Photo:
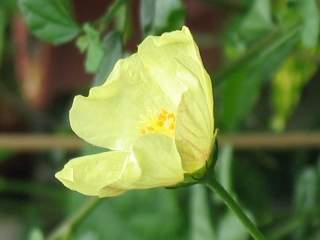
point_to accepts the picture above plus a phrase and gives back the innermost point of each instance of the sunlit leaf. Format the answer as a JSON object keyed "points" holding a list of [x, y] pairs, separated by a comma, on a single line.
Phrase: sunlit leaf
{"points": [[240, 84], [288, 84]]}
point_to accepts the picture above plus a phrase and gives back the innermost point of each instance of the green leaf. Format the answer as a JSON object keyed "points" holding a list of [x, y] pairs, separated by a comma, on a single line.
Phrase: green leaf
{"points": [[311, 27], [253, 186], [8, 6], [307, 193], [112, 44], [147, 13], [231, 228], [157, 16], [5, 153], [241, 82], [306, 202], [248, 28], [257, 21], [82, 43], [288, 84], [201, 226], [7, 9], [100, 55], [50, 20], [3, 23], [286, 228], [123, 21], [35, 234], [94, 49]]}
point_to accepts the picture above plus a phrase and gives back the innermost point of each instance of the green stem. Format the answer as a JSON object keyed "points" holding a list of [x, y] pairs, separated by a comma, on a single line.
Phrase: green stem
{"points": [[105, 20], [215, 186], [66, 228]]}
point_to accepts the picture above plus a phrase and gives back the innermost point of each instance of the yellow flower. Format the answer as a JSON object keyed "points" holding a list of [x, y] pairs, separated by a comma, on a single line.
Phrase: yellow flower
{"points": [[155, 113]]}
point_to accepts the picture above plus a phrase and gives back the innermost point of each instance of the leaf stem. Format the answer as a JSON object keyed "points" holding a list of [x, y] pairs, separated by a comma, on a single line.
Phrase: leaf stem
{"points": [[67, 226], [215, 186]]}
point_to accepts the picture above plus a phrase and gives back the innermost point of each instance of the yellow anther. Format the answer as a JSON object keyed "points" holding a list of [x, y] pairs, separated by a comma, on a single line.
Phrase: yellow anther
{"points": [[163, 112], [162, 123], [150, 128], [161, 117], [142, 131], [171, 116]]}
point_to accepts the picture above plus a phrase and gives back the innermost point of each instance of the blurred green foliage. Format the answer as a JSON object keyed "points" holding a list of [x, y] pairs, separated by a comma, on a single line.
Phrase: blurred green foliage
{"points": [[158, 16], [51, 20], [288, 84], [270, 56], [121, 218]]}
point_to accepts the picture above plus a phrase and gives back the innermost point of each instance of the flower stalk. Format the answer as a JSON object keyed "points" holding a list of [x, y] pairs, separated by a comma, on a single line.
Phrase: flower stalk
{"points": [[216, 187]]}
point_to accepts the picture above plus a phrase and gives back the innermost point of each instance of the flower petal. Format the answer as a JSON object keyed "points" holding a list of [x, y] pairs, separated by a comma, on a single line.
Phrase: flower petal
{"points": [[176, 56], [159, 161], [193, 138], [109, 117], [175, 62], [103, 174]]}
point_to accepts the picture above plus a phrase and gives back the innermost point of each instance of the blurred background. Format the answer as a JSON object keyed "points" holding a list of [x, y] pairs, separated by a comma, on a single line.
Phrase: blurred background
{"points": [[263, 57]]}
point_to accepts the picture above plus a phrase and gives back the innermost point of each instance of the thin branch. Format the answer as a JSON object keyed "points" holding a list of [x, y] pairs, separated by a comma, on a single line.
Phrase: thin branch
{"points": [[104, 21], [234, 206], [258, 140], [66, 228]]}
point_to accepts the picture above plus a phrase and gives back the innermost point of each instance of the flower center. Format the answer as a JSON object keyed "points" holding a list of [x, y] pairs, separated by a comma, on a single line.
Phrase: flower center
{"points": [[164, 123]]}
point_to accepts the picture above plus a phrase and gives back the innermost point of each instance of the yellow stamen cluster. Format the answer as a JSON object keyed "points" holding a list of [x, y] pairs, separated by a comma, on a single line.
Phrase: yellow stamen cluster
{"points": [[164, 123]]}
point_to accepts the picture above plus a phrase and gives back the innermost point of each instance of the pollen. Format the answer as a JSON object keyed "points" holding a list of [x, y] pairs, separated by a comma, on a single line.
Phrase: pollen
{"points": [[162, 122]]}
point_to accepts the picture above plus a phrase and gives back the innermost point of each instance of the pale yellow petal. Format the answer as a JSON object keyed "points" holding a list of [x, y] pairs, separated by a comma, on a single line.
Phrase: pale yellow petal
{"points": [[175, 62], [176, 56], [193, 138], [111, 115], [159, 161], [102, 174]]}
